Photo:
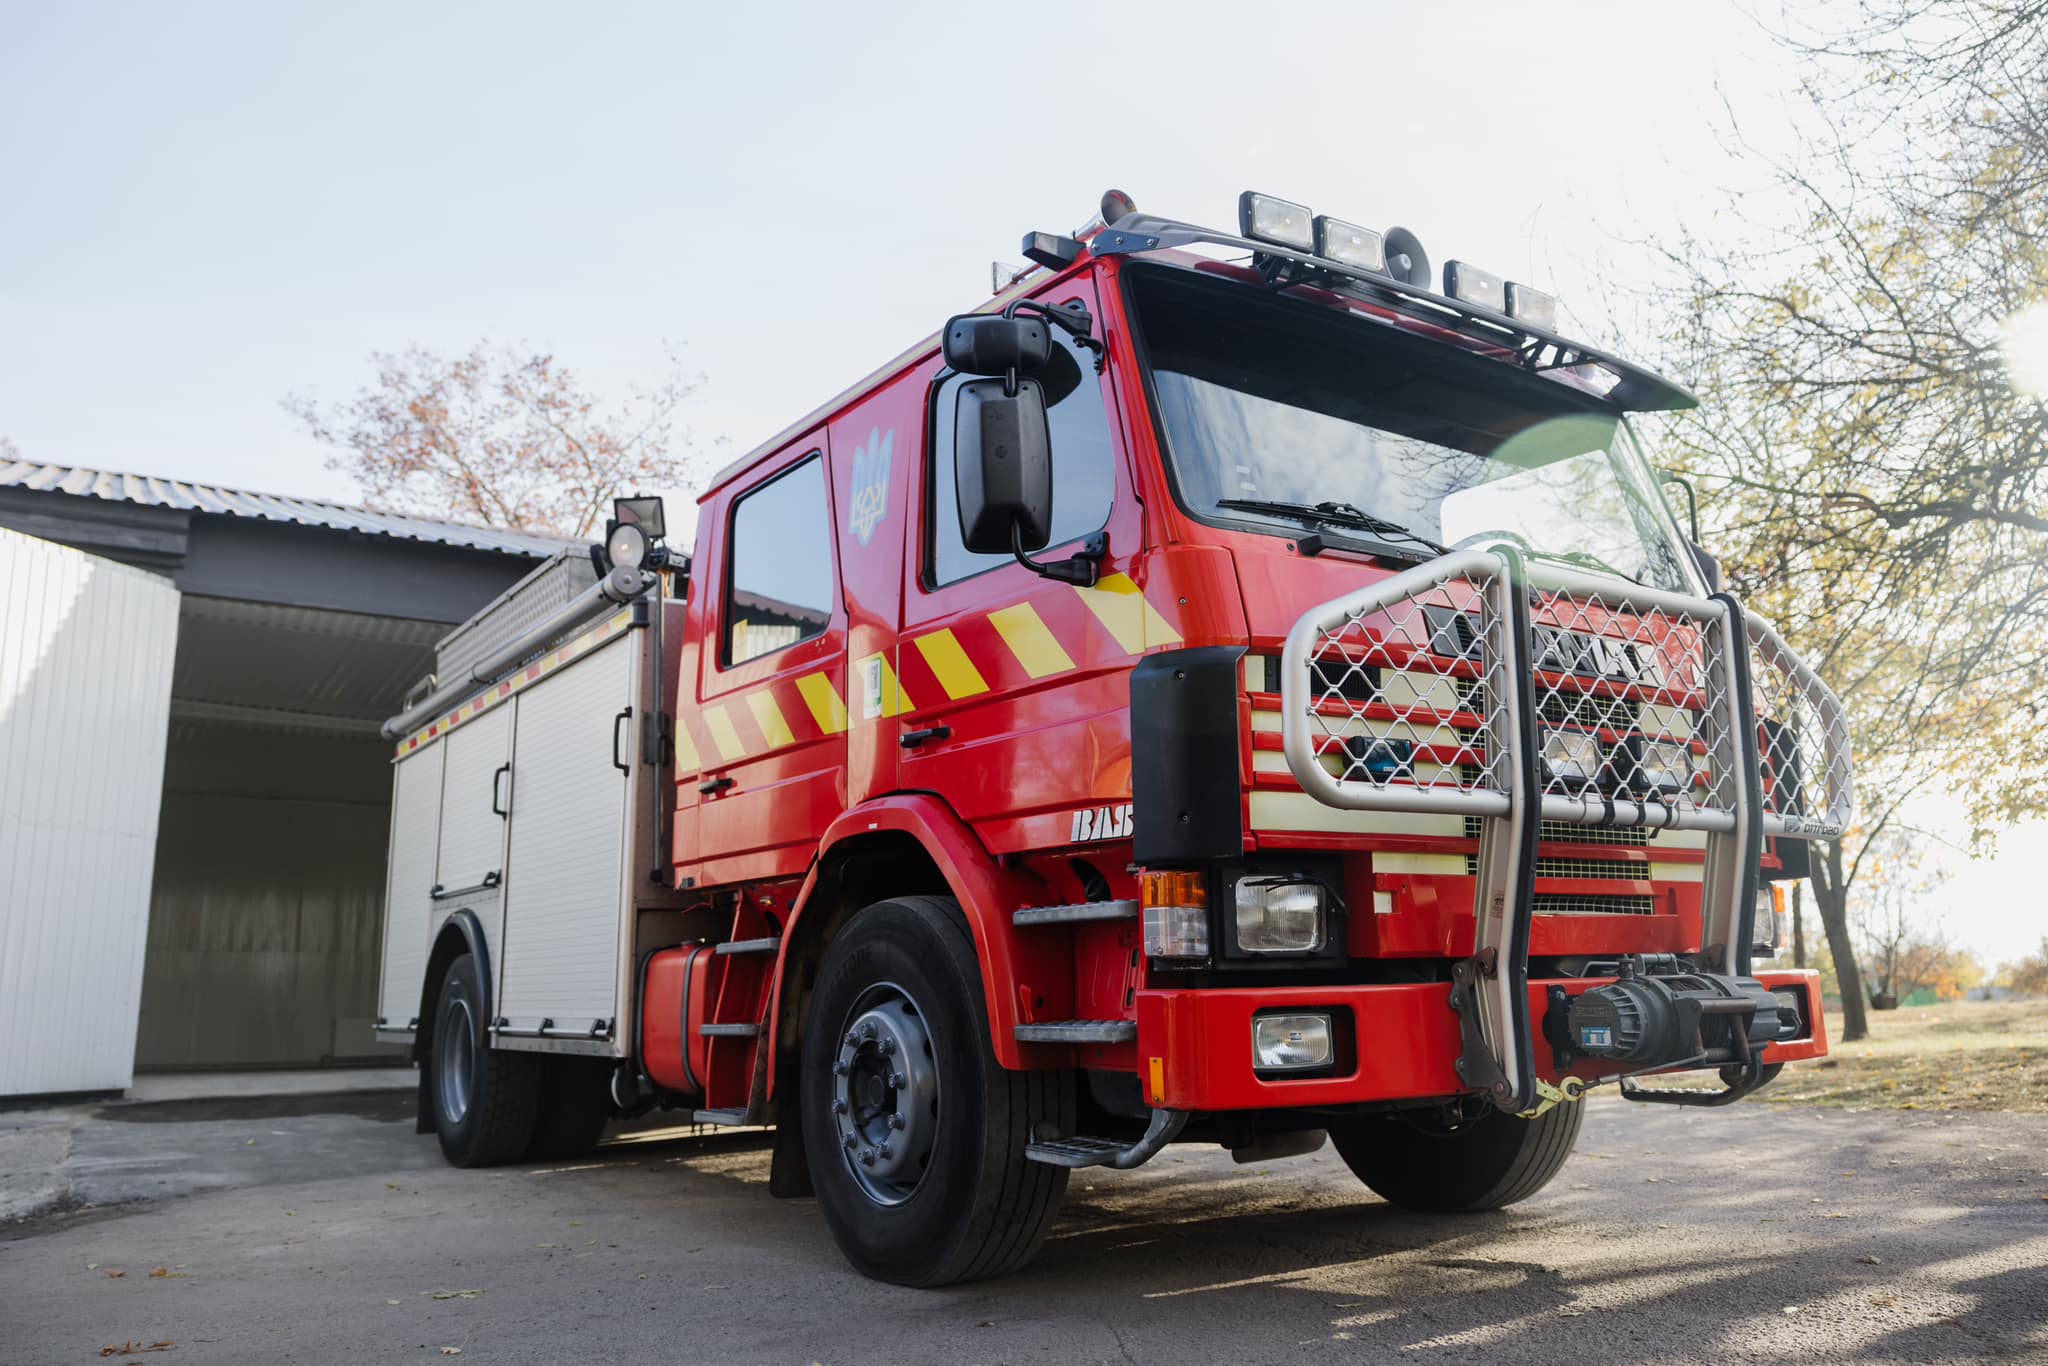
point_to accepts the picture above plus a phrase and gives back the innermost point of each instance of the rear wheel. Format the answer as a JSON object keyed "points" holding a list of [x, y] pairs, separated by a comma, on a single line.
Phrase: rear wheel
{"points": [[483, 1098], [913, 1132], [1432, 1162]]}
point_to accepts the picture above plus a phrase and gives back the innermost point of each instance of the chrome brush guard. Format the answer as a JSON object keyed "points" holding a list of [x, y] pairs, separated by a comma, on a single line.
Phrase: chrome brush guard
{"points": [[1518, 691]]}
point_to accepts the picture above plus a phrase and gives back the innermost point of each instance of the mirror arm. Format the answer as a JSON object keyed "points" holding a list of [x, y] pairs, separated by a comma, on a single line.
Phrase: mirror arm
{"points": [[1072, 319], [1081, 569]]}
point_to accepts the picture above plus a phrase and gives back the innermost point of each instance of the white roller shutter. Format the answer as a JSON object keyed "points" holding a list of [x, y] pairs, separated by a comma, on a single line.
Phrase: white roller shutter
{"points": [[86, 648], [566, 889], [409, 890]]}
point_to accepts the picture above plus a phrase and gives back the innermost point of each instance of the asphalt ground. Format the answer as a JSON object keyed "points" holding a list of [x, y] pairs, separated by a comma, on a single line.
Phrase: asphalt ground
{"points": [[322, 1229]]}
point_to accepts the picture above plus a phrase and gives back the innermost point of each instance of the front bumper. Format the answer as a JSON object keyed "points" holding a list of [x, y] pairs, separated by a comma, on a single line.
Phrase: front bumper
{"points": [[1397, 1042]]}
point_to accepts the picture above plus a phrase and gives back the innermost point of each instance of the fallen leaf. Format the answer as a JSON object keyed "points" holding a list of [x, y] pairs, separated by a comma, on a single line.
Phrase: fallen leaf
{"points": [[164, 1273], [451, 1351], [129, 1349], [391, 1185], [455, 1294], [1884, 1301], [1868, 1260], [1790, 1309], [1567, 1312], [92, 1266], [391, 1301], [115, 1274]]}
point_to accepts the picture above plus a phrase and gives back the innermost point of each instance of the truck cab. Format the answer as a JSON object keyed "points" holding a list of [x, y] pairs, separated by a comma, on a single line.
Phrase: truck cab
{"points": [[1229, 687]]}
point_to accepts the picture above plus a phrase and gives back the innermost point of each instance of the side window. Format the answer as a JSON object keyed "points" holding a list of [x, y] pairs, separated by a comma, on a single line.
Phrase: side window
{"points": [[1083, 464], [779, 588]]}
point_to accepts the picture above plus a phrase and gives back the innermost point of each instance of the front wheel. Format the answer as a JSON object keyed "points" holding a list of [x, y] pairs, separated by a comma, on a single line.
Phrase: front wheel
{"points": [[1453, 1165], [914, 1134], [483, 1098]]}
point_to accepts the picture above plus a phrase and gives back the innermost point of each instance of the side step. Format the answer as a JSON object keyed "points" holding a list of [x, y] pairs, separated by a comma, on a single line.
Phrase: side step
{"points": [[1082, 1151], [730, 1031], [731, 946], [726, 1117], [1073, 914], [1078, 1031]]}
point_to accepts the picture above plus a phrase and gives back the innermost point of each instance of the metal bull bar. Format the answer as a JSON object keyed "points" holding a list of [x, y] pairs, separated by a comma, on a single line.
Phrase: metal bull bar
{"points": [[1484, 684]]}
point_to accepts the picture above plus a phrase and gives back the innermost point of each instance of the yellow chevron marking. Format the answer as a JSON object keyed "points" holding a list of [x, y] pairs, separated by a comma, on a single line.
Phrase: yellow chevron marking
{"points": [[956, 672], [880, 692], [723, 735], [1025, 633], [768, 716], [1123, 611], [823, 699], [687, 760]]}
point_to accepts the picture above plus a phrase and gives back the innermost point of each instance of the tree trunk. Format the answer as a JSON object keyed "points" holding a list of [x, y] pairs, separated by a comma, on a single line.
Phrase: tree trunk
{"points": [[1798, 924], [1831, 898]]}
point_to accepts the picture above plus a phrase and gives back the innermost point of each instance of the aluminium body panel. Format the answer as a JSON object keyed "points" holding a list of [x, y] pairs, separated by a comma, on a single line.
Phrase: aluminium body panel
{"points": [[567, 884], [410, 912]]}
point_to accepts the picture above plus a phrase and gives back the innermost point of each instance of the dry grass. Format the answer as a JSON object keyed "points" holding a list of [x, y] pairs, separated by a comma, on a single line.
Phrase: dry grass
{"points": [[1964, 1055]]}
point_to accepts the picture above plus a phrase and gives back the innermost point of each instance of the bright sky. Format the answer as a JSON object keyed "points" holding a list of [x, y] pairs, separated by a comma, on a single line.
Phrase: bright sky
{"points": [[204, 208]]}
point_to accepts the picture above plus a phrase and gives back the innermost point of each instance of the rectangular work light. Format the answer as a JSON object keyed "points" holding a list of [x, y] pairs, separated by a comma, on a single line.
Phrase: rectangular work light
{"points": [[1532, 306], [1292, 1042], [1571, 758], [1350, 245], [1471, 285], [1282, 222]]}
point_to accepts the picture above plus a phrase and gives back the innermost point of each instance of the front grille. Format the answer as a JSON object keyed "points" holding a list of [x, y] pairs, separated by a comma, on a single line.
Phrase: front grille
{"points": [[1564, 832], [1577, 868], [1587, 712], [1595, 905]]}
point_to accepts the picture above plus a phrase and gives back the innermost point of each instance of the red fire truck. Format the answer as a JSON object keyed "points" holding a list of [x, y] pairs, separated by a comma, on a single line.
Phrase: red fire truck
{"points": [[1231, 687]]}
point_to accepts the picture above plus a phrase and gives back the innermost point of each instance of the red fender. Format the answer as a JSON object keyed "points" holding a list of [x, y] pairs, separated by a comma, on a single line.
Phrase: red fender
{"points": [[1025, 977]]}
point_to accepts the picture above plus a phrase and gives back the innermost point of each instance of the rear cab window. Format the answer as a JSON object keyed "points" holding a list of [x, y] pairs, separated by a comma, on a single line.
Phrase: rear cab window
{"points": [[780, 587]]}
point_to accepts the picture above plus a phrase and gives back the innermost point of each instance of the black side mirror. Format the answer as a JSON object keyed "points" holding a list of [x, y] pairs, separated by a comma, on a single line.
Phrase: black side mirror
{"points": [[1709, 567], [1002, 466], [992, 344]]}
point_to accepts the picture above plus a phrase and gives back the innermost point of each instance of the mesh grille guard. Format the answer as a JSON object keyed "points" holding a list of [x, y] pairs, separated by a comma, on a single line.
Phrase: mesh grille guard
{"points": [[1523, 693]]}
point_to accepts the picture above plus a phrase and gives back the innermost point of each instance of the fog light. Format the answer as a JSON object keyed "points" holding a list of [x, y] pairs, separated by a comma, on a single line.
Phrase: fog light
{"points": [[1571, 758], [1350, 245], [1791, 1011], [1657, 768], [1292, 1041], [1277, 915]]}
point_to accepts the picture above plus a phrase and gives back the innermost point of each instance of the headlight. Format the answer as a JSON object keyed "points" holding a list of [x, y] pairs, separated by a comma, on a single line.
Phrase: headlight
{"points": [[626, 547], [1571, 757], [1791, 1011], [1292, 1041], [1278, 916], [1661, 768]]}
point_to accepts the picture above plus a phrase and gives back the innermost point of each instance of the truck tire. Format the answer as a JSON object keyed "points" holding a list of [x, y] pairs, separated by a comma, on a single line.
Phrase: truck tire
{"points": [[574, 1106], [913, 1132], [483, 1098], [1423, 1163]]}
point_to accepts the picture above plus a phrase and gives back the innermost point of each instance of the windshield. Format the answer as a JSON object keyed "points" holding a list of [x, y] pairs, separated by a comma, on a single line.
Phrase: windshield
{"points": [[1293, 416]]}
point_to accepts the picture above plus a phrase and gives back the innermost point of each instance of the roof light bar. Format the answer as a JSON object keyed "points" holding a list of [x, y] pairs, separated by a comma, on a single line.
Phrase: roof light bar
{"points": [[1282, 222], [1470, 285], [1532, 306], [1350, 245]]}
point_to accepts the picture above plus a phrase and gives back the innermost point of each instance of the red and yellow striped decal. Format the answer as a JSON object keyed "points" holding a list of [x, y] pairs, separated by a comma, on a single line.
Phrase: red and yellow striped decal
{"points": [[504, 688]]}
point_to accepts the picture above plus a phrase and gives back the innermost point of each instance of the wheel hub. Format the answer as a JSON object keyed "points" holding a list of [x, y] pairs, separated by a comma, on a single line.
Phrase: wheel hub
{"points": [[455, 1057], [885, 1095]]}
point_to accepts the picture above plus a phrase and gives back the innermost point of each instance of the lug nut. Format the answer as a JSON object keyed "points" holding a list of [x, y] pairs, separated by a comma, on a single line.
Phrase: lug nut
{"points": [[840, 1069], [895, 1121], [846, 1142], [867, 1157], [838, 1107], [888, 1048], [897, 1081], [852, 1039], [886, 1152], [868, 1028]]}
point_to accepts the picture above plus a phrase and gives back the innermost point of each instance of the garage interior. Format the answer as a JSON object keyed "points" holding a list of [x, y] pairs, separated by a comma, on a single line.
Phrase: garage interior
{"points": [[301, 626]]}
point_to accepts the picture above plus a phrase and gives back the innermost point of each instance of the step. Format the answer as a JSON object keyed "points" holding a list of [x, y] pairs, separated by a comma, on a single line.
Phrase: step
{"points": [[730, 1031], [1078, 1031], [1076, 913], [728, 1117], [1075, 1152], [732, 946]]}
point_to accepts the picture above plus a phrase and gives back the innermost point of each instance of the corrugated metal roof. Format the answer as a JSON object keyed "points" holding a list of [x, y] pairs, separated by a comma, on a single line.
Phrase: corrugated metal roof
{"points": [[150, 491]]}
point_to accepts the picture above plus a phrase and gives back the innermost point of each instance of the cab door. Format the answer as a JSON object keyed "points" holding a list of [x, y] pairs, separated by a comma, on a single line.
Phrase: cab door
{"points": [[1015, 688], [769, 728]]}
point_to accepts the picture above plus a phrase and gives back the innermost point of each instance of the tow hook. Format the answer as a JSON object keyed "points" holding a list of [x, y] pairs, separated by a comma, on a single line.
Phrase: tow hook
{"points": [[1548, 1096]]}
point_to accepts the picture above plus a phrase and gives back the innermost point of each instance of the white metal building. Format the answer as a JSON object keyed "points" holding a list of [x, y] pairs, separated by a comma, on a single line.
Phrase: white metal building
{"points": [[199, 673]]}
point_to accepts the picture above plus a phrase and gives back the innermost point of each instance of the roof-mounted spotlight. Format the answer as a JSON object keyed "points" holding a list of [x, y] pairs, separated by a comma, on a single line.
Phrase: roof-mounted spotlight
{"points": [[1532, 306], [1347, 244], [636, 526], [1282, 222], [1468, 284]]}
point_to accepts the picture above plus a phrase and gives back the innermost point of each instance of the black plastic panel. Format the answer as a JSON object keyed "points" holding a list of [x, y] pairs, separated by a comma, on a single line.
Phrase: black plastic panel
{"points": [[1187, 806]]}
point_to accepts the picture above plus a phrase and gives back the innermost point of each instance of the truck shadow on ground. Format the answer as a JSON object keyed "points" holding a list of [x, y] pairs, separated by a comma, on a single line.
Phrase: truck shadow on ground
{"points": [[1295, 1258]]}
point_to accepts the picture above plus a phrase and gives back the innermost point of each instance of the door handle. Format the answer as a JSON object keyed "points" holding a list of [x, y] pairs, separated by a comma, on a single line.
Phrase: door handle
{"points": [[913, 738], [625, 714], [497, 777], [718, 784]]}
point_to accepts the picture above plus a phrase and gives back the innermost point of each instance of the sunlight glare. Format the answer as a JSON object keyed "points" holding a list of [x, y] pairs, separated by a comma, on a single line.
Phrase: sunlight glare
{"points": [[2023, 341]]}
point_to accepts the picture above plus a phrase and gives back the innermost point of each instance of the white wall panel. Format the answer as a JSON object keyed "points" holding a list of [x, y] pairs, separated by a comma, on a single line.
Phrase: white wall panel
{"points": [[86, 648]]}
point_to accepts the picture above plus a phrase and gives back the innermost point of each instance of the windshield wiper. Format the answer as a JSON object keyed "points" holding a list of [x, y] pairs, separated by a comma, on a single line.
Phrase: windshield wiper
{"points": [[1584, 559], [1332, 514]]}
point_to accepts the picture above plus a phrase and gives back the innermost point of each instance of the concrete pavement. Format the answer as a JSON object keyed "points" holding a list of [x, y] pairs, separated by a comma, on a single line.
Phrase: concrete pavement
{"points": [[318, 1231]]}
